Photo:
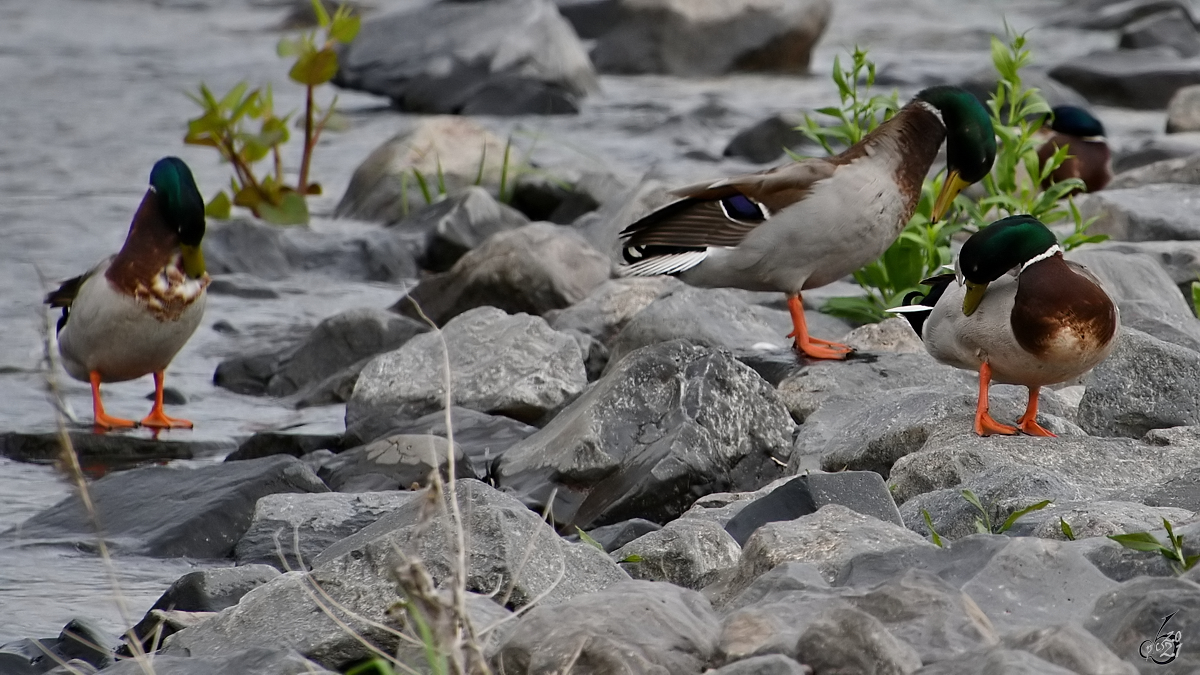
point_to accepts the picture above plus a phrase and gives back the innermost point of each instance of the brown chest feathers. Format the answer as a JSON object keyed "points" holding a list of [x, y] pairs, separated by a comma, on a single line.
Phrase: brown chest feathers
{"points": [[1058, 311], [914, 134]]}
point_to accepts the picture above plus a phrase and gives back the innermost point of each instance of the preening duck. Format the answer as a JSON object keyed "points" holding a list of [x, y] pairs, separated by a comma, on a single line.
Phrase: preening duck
{"points": [[132, 313], [812, 222], [1088, 156], [1018, 313]]}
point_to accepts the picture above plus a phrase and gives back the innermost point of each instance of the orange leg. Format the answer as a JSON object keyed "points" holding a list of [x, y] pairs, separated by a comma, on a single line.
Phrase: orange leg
{"points": [[157, 418], [984, 424], [810, 346], [101, 419], [1028, 422]]}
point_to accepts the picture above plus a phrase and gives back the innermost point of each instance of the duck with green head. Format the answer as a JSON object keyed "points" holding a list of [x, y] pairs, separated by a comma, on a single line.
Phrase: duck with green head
{"points": [[1017, 312], [812, 222], [131, 314], [1088, 156]]}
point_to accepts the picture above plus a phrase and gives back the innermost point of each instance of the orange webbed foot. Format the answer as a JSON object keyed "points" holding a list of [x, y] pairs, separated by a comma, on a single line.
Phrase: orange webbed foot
{"points": [[986, 426], [105, 421], [157, 419], [817, 351]]}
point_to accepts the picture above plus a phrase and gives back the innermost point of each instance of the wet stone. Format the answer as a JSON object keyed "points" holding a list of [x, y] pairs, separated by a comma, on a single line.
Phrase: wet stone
{"points": [[394, 463]]}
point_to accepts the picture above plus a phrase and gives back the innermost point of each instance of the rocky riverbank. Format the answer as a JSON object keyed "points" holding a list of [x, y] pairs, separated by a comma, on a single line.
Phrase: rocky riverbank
{"points": [[745, 511]]}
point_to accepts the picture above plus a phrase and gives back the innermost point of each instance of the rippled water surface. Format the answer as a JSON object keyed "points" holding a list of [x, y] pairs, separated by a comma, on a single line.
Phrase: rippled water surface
{"points": [[93, 95]]}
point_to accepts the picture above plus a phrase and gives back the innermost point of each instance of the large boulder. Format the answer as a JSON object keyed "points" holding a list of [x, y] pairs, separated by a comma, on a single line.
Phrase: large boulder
{"points": [[531, 269], [394, 463], [1133, 618], [257, 659], [1172, 28], [339, 343], [171, 511], [1145, 384], [481, 436], [384, 187], [687, 552], [607, 309], [669, 423], [502, 57], [358, 587], [1179, 259], [1146, 213], [1141, 78], [458, 224], [345, 250], [1184, 170], [631, 627], [290, 530], [712, 37], [513, 365]]}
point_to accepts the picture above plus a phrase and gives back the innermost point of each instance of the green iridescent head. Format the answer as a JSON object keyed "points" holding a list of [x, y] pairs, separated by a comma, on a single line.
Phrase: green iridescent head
{"points": [[182, 208], [998, 248], [970, 140]]}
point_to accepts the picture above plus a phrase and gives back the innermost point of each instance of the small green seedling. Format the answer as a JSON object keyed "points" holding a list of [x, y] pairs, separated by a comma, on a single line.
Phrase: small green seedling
{"points": [[1066, 529], [984, 523], [933, 535], [1172, 550]]}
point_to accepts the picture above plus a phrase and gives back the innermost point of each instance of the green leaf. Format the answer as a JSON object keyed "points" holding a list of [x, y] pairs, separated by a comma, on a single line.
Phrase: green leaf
{"points": [[1139, 541], [1016, 515], [1066, 529], [424, 185], [587, 538], [321, 12], [315, 68], [288, 47], [292, 210], [345, 27], [937, 539], [973, 500], [219, 206], [233, 96], [854, 309], [631, 558]]}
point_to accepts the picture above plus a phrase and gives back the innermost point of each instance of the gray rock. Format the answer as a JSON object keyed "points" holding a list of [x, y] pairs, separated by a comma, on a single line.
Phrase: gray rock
{"points": [[1183, 111], [1134, 612], [1096, 466], [267, 443], [1145, 294], [394, 463], [531, 269], [957, 562], [1180, 259], [678, 38], [765, 140], [709, 317], [312, 523], [774, 624], [513, 365], [1185, 170], [1032, 583], [1172, 28], [894, 335], [669, 423], [342, 250], [1145, 384], [459, 223], [357, 574], [861, 491], [808, 387], [338, 342], [687, 552], [509, 57], [870, 431], [172, 512], [1102, 518], [602, 228], [384, 187], [1143, 78], [613, 537], [1141, 152], [257, 659], [1122, 564], [1179, 492], [1146, 213], [1070, 646], [104, 449], [997, 661], [850, 640], [780, 581], [631, 627], [770, 664], [607, 310], [1109, 15], [208, 590], [79, 641], [829, 539], [481, 437]]}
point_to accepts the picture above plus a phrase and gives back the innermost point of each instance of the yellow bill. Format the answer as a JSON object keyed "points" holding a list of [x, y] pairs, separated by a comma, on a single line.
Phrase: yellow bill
{"points": [[973, 297], [954, 184], [193, 261]]}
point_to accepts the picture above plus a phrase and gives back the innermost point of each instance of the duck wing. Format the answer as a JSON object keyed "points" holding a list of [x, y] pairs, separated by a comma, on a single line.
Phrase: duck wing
{"points": [[677, 236], [64, 295]]}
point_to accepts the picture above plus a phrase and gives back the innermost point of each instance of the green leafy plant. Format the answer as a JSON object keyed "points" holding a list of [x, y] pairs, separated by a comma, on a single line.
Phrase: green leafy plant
{"points": [[226, 123], [1172, 550], [933, 535], [1013, 186], [984, 522], [1196, 298], [1066, 529]]}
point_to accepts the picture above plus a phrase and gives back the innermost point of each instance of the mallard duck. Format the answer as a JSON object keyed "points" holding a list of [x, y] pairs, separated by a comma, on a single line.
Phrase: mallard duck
{"points": [[1088, 156], [1016, 312], [812, 222], [130, 314]]}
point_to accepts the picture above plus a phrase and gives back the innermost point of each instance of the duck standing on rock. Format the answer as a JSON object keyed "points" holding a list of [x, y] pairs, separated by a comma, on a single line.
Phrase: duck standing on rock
{"points": [[1019, 313], [812, 222], [1088, 156], [133, 312]]}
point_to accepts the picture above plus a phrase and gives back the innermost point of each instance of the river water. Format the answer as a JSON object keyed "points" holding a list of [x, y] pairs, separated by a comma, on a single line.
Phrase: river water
{"points": [[93, 95]]}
